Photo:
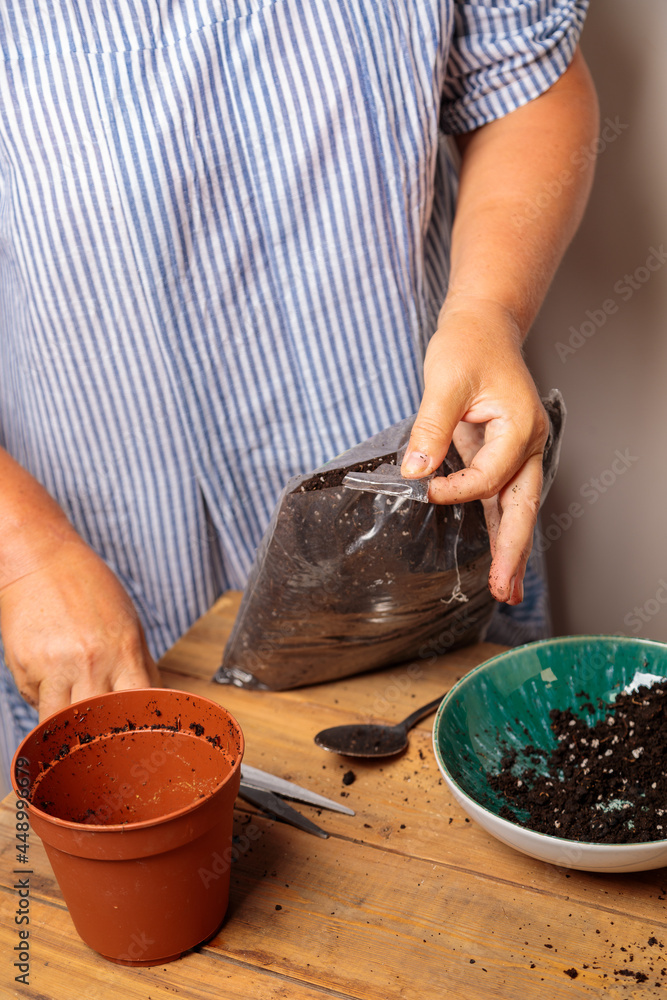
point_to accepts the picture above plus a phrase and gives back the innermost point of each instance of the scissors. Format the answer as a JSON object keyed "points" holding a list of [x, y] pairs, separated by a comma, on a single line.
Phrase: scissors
{"points": [[264, 790]]}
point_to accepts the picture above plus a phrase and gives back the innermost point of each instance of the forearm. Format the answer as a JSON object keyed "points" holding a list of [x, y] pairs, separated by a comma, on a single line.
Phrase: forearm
{"points": [[521, 198], [32, 524], [520, 201]]}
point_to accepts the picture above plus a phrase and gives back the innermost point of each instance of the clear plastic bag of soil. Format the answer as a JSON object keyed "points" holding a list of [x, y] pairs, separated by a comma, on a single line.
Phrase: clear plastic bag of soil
{"points": [[355, 576]]}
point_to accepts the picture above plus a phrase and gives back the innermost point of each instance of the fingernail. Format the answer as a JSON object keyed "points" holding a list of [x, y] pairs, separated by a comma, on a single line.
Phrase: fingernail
{"points": [[416, 463], [511, 587]]}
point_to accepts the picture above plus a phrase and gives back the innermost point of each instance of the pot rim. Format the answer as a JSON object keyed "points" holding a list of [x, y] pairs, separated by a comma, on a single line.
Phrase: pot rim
{"points": [[98, 828]]}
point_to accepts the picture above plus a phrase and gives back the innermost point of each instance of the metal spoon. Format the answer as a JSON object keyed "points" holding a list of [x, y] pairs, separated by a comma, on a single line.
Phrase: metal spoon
{"points": [[369, 740]]}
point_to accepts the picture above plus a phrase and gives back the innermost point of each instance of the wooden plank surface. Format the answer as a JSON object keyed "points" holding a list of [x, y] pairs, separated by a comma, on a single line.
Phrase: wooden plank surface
{"points": [[357, 921], [406, 899]]}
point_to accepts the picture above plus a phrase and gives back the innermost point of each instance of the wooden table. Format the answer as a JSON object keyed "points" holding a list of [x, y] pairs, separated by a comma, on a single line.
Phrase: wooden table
{"points": [[407, 899]]}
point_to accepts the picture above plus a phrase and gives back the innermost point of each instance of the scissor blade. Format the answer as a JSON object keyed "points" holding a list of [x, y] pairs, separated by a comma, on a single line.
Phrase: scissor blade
{"points": [[253, 777], [270, 803]]}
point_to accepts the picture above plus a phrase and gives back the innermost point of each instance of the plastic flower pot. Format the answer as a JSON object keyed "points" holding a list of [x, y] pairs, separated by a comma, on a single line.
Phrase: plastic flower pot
{"points": [[132, 794]]}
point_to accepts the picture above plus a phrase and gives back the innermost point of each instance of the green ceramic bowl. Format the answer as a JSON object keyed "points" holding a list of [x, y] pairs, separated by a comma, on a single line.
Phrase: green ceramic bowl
{"points": [[513, 694]]}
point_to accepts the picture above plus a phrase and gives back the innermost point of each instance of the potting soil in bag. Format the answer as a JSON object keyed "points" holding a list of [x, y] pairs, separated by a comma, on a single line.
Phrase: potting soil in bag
{"points": [[357, 570]]}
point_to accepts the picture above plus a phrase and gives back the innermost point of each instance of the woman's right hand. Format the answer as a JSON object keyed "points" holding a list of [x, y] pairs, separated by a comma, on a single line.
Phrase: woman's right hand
{"points": [[68, 626], [70, 631]]}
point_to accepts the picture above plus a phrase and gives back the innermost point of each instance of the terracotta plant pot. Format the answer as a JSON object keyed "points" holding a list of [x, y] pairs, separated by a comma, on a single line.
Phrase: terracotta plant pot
{"points": [[132, 794]]}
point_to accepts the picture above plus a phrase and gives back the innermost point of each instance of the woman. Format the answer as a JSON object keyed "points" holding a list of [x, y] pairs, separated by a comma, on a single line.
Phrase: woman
{"points": [[227, 244]]}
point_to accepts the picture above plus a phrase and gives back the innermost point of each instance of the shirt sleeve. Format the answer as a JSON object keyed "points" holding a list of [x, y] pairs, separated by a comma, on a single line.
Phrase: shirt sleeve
{"points": [[503, 54]]}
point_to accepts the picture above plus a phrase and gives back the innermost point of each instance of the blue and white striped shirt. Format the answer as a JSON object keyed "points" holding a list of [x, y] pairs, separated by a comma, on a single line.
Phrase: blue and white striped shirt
{"points": [[224, 232]]}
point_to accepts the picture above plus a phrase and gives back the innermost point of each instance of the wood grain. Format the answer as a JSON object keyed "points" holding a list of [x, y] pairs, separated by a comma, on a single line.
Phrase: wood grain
{"points": [[406, 899], [361, 921]]}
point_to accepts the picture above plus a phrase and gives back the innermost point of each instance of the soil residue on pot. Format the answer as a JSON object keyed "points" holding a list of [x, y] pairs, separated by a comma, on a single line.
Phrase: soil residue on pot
{"points": [[128, 773], [603, 783], [132, 814]]}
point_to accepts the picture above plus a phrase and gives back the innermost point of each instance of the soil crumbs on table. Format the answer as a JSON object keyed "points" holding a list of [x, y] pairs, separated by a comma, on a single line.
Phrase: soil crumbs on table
{"points": [[635, 962], [604, 783]]}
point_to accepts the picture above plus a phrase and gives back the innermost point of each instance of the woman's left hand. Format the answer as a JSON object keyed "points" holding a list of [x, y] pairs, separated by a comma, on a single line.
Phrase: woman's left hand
{"points": [[479, 393]]}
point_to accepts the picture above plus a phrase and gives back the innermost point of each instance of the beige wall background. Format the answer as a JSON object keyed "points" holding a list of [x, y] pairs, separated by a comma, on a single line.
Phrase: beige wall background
{"points": [[600, 338]]}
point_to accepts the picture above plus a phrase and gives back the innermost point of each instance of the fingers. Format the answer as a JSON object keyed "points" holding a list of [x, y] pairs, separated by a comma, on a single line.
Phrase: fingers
{"points": [[70, 632], [142, 674], [509, 486], [469, 439], [510, 515], [58, 690], [434, 426], [519, 503], [55, 693], [507, 447], [492, 516], [479, 393], [154, 677], [131, 667]]}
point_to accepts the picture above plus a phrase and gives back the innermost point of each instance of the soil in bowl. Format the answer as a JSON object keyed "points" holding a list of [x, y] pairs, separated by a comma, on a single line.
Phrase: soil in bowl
{"points": [[603, 783]]}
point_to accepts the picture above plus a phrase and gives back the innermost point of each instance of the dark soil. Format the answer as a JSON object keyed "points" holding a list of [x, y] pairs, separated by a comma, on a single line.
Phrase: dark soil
{"points": [[332, 478], [603, 783], [347, 580]]}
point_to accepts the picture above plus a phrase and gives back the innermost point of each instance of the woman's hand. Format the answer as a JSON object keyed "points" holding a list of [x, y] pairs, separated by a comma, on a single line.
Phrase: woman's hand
{"points": [[70, 630], [479, 393], [507, 240]]}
